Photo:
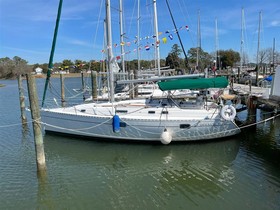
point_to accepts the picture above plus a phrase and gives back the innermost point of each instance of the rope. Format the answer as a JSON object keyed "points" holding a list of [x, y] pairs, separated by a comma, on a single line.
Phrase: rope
{"points": [[81, 129], [263, 121], [16, 124], [76, 129]]}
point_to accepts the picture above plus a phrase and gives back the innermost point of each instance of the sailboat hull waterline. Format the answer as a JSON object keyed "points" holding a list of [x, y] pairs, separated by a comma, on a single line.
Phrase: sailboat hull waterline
{"points": [[137, 121]]}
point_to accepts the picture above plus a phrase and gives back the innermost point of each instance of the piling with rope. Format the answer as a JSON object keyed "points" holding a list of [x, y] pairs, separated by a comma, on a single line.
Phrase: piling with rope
{"points": [[36, 121], [94, 84], [21, 101], [62, 90], [252, 109]]}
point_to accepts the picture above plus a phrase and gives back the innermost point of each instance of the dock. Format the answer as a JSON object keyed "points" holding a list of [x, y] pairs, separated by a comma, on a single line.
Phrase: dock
{"points": [[261, 96]]}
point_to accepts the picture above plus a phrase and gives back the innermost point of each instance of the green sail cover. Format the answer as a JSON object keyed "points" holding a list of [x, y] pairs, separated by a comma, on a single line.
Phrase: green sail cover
{"points": [[197, 83]]}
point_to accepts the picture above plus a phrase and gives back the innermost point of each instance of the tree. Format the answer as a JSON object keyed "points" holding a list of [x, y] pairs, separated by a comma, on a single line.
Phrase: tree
{"points": [[10, 68], [45, 67], [229, 58], [95, 65], [66, 65], [79, 65], [204, 58], [20, 65], [6, 65], [173, 60]]}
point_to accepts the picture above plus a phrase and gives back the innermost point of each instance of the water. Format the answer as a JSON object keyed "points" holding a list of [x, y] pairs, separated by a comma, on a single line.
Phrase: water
{"points": [[242, 172]]}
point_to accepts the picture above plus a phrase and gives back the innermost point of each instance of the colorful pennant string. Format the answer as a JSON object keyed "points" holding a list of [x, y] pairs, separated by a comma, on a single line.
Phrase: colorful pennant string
{"points": [[147, 46]]}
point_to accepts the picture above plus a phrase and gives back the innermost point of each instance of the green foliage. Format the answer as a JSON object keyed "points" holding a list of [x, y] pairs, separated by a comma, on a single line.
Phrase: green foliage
{"points": [[10, 68], [228, 57], [204, 58], [173, 59], [95, 65]]}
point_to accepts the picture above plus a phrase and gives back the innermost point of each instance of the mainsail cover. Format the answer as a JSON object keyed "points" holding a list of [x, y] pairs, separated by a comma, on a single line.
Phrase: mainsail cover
{"points": [[196, 83]]}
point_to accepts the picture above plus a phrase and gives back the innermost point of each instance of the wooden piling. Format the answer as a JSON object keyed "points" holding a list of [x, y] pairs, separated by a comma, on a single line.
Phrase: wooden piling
{"points": [[131, 85], [252, 109], [135, 73], [62, 90], [21, 101], [93, 85], [83, 82], [35, 113], [83, 85]]}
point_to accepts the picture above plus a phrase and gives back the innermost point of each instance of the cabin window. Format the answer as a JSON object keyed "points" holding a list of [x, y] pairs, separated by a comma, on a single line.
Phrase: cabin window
{"points": [[121, 111], [164, 112], [122, 124], [184, 126], [83, 110], [151, 112]]}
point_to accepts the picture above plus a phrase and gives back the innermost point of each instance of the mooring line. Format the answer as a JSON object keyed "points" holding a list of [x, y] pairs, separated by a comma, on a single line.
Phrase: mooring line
{"points": [[263, 121]]}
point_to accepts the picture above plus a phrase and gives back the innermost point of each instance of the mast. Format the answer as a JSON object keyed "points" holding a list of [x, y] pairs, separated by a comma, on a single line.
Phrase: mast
{"points": [[50, 66], [122, 35], [138, 37], [198, 40], [186, 58], [109, 49], [241, 42], [273, 55], [216, 42], [258, 49], [157, 39]]}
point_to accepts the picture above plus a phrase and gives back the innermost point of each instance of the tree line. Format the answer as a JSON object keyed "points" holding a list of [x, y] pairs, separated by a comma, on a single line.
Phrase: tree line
{"points": [[197, 60]]}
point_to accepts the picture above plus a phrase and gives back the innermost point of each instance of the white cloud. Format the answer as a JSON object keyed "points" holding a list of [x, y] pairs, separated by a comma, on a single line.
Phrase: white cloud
{"points": [[275, 23], [79, 43]]}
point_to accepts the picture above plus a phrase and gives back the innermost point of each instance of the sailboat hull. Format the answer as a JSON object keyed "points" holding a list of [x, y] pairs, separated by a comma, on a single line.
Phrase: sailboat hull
{"points": [[139, 123]]}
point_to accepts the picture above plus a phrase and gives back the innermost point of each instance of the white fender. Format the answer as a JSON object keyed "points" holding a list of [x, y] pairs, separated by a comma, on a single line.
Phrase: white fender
{"points": [[228, 112], [166, 137]]}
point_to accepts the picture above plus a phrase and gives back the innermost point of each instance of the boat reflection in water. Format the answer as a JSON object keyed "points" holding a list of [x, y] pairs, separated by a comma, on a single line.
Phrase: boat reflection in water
{"points": [[138, 175]]}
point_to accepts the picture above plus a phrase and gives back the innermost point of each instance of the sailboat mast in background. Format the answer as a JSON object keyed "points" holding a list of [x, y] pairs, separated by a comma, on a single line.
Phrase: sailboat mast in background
{"points": [[122, 35], [258, 49], [157, 39], [198, 41], [109, 49]]}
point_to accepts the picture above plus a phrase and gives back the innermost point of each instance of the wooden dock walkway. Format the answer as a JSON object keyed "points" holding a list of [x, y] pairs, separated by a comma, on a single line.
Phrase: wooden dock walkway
{"points": [[261, 95]]}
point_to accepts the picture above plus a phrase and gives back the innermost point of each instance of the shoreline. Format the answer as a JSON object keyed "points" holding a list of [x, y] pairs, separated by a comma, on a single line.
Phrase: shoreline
{"points": [[58, 75], [43, 76]]}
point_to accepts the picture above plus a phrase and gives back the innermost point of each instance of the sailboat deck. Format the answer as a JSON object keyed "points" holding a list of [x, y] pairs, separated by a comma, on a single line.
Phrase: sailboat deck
{"points": [[153, 109]]}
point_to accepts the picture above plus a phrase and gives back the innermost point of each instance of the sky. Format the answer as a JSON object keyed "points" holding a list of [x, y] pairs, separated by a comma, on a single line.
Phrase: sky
{"points": [[27, 27]]}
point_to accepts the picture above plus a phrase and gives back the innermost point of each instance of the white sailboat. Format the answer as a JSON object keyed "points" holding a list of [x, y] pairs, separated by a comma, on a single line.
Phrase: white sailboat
{"points": [[158, 118]]}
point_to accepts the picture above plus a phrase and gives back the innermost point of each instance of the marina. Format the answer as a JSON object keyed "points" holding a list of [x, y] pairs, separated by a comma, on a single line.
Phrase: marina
{"points": [[84, 174], [115, 121]]}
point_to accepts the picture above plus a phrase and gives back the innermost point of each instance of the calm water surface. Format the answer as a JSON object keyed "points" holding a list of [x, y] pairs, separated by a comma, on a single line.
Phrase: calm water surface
{"points": [[242, 172]]}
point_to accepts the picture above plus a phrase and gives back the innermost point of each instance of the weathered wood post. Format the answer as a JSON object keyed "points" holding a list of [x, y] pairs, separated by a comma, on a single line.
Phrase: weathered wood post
{"points": [[135, 73], [35, 113], [250, 85], [83, 84], [252, 109], [62, 90], [21, 101], [238, 75], [93, 85], [131, 86]]}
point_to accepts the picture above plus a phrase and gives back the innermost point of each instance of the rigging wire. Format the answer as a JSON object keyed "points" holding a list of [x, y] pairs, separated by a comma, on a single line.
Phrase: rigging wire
{"points": [[98, 19]]}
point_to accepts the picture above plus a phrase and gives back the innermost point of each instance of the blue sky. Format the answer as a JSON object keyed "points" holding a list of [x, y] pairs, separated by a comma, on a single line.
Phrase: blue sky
{"points": [[27, 26]]}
